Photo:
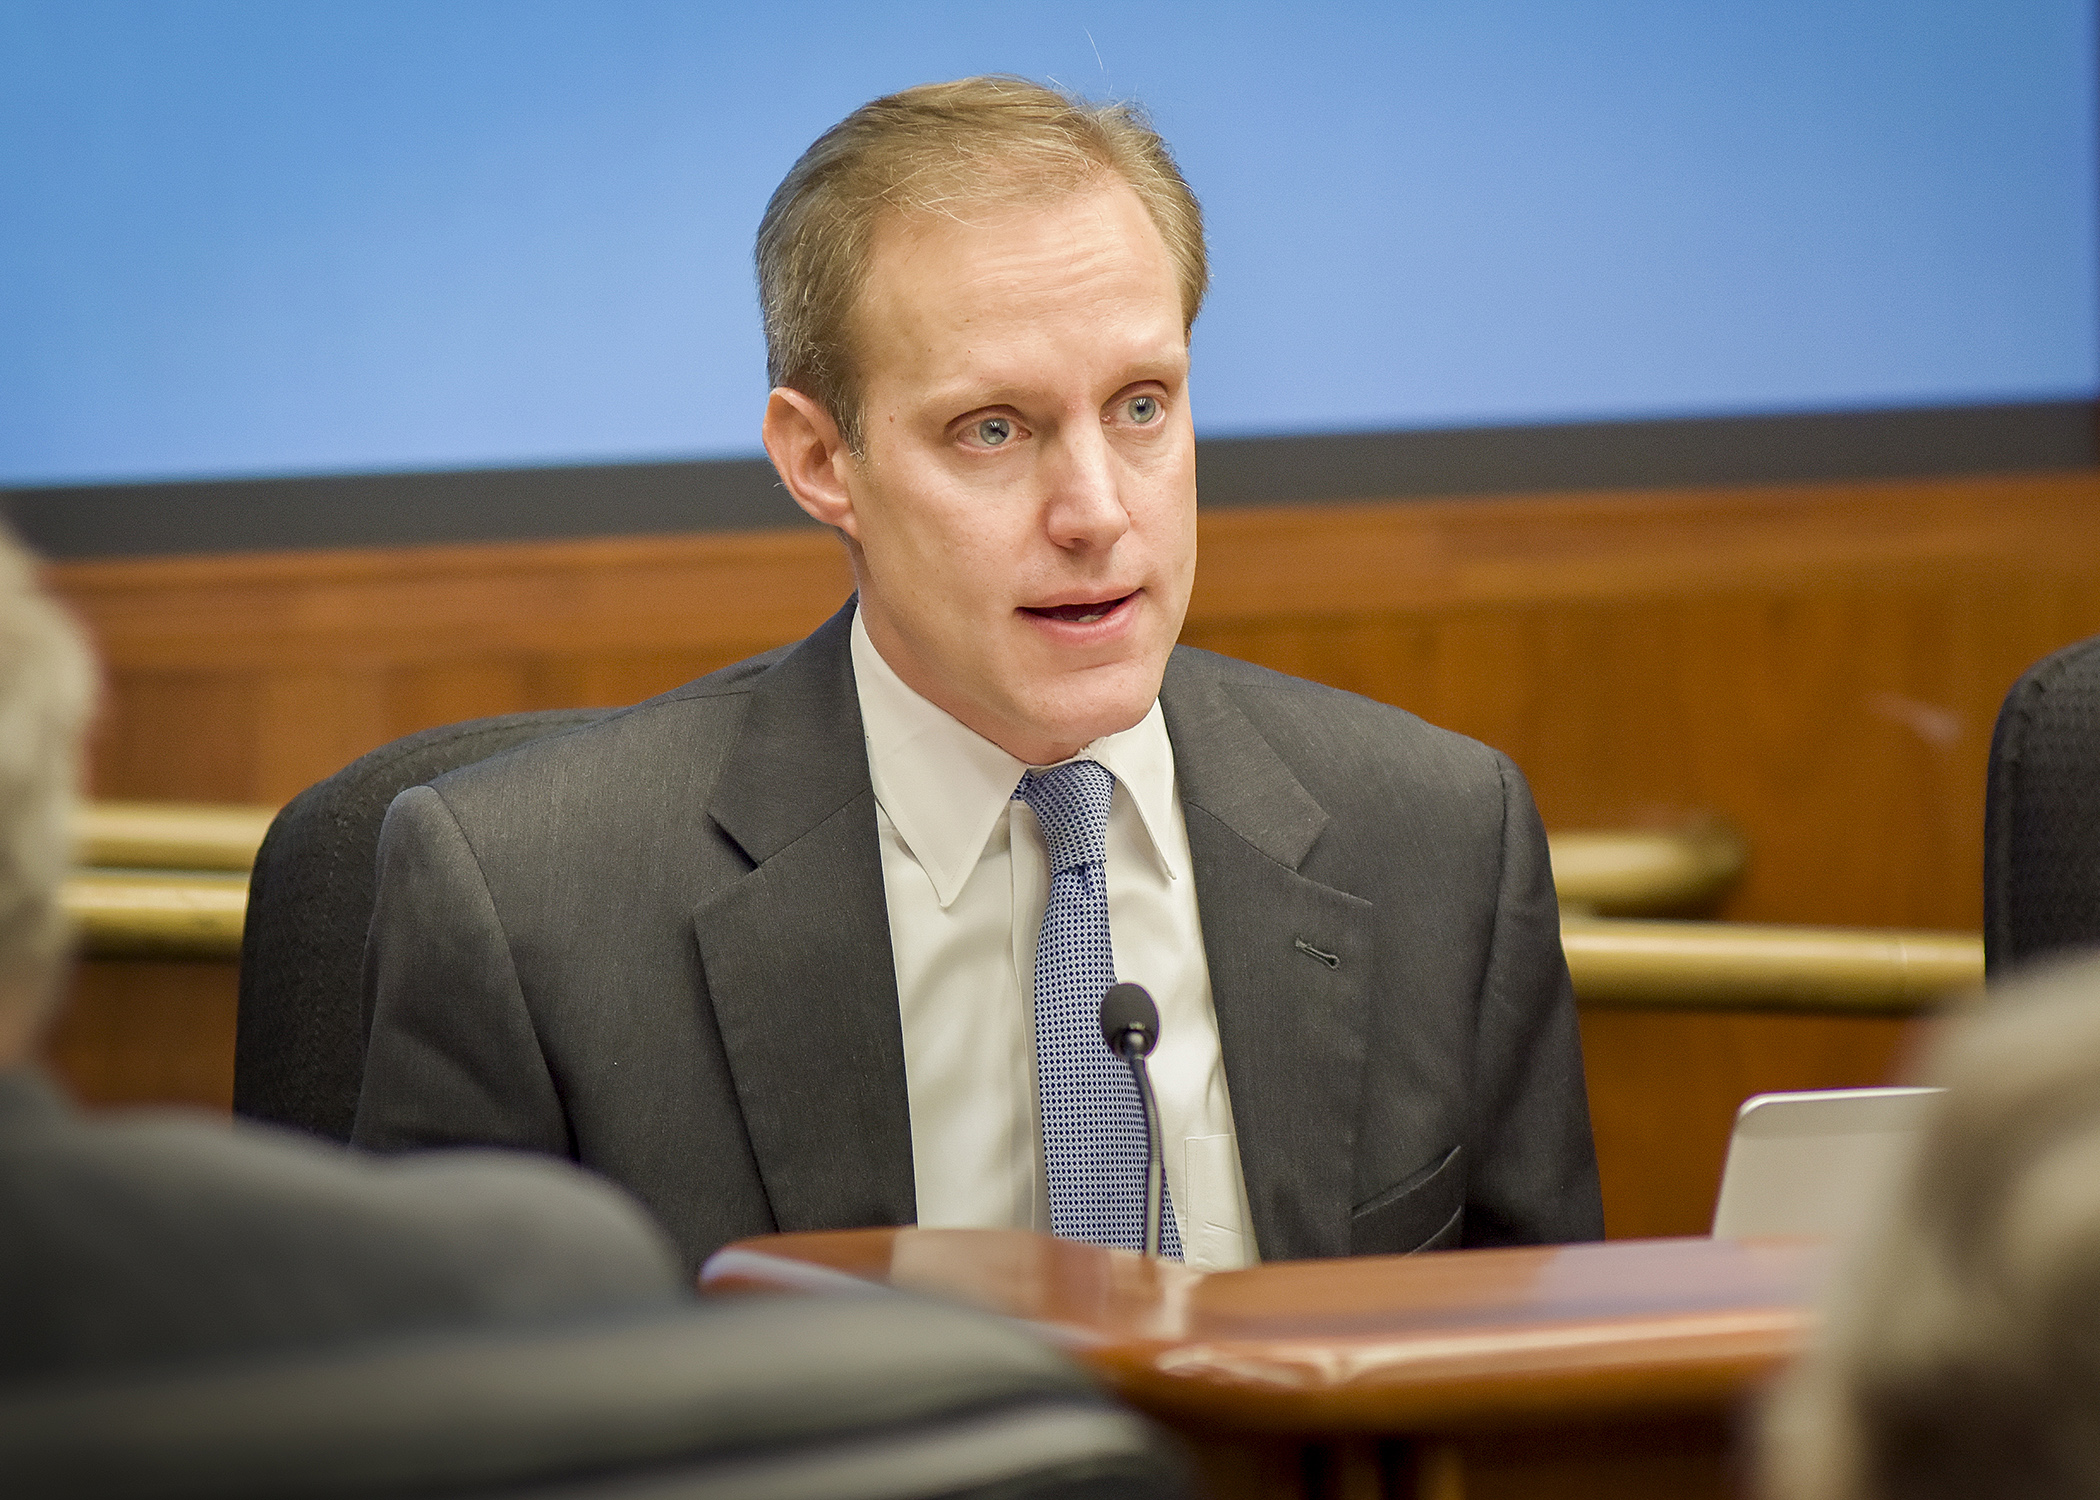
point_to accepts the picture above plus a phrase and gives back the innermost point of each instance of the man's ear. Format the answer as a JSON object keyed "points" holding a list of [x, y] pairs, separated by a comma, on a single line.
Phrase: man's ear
{"points": [[811, 458]]}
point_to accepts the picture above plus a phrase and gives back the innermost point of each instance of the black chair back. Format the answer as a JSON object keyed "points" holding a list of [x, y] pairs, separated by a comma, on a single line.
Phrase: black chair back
{"points": [[299, 1041], [2041, 820]]}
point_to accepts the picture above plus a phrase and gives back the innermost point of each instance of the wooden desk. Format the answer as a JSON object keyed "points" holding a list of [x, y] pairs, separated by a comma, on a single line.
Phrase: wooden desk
{"points": [[1614, 1369]]}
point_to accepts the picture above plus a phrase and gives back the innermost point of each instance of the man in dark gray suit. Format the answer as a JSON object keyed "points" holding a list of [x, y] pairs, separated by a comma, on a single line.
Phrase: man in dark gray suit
{"points": [[810, 943], [141, 1239]]}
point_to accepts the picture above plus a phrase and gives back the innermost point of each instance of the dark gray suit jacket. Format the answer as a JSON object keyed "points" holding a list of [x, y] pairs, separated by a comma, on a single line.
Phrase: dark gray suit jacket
{"points": [[659, 945], [150, 1238]]}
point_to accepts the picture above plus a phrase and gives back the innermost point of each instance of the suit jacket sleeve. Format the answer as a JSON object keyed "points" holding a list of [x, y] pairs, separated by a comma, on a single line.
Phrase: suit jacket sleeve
{"points": [[452, 1055], [1533, 1178]]}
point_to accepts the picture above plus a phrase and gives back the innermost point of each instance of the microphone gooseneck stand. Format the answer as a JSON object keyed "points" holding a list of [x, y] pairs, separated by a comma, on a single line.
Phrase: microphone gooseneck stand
{"points": [[1130, 1026]]}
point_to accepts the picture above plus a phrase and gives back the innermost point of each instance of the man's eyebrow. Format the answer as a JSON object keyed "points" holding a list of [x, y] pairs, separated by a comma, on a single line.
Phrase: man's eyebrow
{"points": [[963, 397]]}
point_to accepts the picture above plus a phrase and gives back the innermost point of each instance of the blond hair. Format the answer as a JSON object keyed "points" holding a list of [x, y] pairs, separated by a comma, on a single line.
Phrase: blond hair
{"points": [[1961, 1351], [47, 690], [942, 149]]}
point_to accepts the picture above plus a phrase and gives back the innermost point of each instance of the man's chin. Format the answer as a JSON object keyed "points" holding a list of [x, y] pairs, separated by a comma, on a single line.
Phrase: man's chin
{"points": [[1071, 721]]}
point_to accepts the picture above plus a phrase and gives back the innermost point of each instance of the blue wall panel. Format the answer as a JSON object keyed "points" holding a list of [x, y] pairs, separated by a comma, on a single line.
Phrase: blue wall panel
{"points": [[261, 237]]}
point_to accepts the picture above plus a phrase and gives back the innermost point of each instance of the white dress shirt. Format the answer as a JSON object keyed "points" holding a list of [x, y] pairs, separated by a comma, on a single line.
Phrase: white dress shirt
{"points": [[966, 877]]}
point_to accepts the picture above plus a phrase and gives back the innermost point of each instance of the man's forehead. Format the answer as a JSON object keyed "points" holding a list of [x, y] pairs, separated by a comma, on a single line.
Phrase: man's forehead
{"points": [[999, 195], [985, 285]]}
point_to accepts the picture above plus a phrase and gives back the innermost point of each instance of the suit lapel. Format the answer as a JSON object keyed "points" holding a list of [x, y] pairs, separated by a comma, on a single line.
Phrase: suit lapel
{"points": [[1290, 1022], [797, 954]]}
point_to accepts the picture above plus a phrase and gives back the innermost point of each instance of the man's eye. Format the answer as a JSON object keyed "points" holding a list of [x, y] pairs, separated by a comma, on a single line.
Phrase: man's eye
{"points": [[1144, 409], [993, 432]]}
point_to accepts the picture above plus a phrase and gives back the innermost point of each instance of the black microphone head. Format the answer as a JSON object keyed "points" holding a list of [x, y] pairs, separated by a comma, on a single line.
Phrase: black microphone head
{"points": [[1129, 1021]]}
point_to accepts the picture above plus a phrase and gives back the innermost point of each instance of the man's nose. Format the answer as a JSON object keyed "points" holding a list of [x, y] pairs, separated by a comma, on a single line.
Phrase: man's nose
{"points": [[1083, 504]]}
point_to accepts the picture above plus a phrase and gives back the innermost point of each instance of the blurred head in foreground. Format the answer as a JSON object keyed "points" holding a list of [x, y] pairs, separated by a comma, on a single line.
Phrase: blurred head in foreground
{"points": [[1961, 1356], [47, 688]]}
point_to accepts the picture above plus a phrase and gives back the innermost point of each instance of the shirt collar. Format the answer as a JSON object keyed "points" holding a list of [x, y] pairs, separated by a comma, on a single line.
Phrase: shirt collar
{"points": [[945, 787]]}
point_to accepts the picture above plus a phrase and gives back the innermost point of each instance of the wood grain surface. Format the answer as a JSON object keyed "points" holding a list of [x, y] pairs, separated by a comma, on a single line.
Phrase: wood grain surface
{"points": [[1584, 1370], [1372, 1345], [147, 1031]]}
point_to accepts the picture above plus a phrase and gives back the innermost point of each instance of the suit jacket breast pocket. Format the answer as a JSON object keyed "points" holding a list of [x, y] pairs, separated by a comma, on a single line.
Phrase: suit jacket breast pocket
{"points": [[1425, 1210]]}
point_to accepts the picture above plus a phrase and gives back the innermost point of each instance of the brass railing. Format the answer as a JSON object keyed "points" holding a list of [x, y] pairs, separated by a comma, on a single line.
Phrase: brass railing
{"points": [[169, 881], [1607, 873], [194, 914], [1643, 873], [169, 835], [1620, 963]]}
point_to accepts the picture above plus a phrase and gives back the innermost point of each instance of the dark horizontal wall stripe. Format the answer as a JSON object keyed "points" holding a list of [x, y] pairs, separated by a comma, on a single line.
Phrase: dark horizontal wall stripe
{"points": [[368, 510], [402, 510], [1651, 455]]}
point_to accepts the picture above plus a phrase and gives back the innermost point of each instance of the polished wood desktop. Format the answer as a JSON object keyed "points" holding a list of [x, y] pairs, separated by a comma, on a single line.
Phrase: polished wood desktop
{"points": [[1618, 1368]]}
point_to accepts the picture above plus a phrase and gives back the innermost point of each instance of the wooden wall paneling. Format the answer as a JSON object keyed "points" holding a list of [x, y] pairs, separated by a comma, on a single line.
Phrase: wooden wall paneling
{"points": [[1794, 658], [1665, 1085], [321, 715], [613, 678], [1820, 664], [137, 1031], [1817, 742], [1858, 783], [425, 694], [341, 652], [1569, 692], [302, 609], [178, 734]]}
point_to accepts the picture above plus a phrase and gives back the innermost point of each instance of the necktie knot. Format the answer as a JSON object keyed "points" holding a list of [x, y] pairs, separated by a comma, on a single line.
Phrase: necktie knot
{"points": [[1071, 803]]}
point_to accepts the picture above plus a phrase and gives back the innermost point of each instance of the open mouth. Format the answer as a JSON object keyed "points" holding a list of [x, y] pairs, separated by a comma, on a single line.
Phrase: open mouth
{"points": [[1079, 614]]}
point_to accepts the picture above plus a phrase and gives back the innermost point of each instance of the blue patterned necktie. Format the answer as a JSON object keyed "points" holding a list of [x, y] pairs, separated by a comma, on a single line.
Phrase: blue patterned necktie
{"points": [[1093, 1124]]}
